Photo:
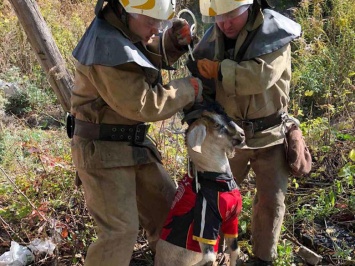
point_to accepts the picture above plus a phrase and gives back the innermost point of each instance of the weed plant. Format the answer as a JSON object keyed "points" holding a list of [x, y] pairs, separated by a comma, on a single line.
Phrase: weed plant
{"points": [[324, 61]]}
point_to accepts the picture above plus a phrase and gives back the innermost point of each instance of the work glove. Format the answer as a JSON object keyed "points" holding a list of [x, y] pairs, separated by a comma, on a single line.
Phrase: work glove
{"points": [[198, 87], [206, 68], [180, 33]]}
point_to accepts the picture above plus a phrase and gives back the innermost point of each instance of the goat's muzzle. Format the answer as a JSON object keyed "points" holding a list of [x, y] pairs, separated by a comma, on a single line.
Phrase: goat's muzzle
{"points": [[239, 136]]}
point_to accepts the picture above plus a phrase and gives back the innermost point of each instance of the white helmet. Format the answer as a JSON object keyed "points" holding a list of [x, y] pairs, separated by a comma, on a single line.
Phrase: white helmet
{"points": [[158, 9], [212, 10]]}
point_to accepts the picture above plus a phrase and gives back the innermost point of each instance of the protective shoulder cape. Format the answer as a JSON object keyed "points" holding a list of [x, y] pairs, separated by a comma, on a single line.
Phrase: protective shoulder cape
{"points": [[275, 32], [103, 44]]}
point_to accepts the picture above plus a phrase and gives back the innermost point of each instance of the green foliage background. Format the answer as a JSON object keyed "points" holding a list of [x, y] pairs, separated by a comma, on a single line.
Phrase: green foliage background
{"points": [[37, 194]]}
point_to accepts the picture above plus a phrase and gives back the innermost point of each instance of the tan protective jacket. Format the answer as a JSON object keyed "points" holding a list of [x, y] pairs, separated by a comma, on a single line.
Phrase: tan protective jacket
{"points": [[253, 88], [124, 94]]}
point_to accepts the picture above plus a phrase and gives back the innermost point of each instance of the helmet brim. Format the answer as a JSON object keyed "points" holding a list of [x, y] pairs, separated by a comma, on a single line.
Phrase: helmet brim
{"points": [[226, 16]]}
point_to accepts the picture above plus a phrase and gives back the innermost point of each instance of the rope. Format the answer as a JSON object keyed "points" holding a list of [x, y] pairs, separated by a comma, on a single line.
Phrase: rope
{"points": [[193, 27], [175, 129]]}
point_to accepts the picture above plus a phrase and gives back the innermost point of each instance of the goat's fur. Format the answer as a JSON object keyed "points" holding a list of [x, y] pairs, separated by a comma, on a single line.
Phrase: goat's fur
{"points": [[210, 141]]}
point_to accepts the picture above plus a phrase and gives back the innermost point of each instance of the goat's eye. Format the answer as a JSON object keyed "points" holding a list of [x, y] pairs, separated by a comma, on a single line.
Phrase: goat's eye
{"points": [[220, 128], [216, 125]]}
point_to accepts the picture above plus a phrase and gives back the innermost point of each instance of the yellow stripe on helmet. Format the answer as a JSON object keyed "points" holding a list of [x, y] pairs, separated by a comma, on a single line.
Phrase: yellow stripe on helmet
{"points": [[146, 6], [171, 15], [125, 3], [211, 12]]}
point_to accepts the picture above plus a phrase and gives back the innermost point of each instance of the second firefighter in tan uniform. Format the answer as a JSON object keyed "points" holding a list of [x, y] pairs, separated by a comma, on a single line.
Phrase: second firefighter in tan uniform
{"points": [[244, 61]]}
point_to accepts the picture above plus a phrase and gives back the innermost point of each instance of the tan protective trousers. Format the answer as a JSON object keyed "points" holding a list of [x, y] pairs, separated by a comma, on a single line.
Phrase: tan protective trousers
{"points": [[271, 174], [119, 199]]}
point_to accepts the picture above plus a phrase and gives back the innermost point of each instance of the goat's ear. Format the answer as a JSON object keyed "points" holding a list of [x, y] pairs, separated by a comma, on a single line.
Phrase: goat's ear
{"points": [[195, 137]]}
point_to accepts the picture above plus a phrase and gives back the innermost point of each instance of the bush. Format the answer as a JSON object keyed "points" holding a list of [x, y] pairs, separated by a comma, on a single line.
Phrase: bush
{"points": [[324, 61], [24, 95]]}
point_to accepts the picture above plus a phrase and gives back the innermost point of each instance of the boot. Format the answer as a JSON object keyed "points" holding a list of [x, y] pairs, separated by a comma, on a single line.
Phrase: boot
{"points": [[258, 262]]}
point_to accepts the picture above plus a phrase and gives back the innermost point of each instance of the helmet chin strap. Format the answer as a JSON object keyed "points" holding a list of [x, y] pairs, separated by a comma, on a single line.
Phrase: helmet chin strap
{"points": [[117, 8], [98, 7], [265, 3], [124, 17]]}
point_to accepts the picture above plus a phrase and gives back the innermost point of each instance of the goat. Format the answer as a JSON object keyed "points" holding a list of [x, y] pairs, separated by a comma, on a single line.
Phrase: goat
{"points": [[210, 141]]}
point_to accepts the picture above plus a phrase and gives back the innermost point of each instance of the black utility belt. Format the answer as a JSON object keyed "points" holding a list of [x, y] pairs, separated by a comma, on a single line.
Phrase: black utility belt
{"points": [[108, 132], [250, 126]]}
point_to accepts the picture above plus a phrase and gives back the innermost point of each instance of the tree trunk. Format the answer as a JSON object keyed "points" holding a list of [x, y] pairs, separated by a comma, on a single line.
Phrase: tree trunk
{"points": [[45, 49]]}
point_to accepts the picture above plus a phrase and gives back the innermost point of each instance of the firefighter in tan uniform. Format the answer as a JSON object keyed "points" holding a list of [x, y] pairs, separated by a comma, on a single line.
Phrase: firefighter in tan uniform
{"points": [[118, 88], [244, 62]]}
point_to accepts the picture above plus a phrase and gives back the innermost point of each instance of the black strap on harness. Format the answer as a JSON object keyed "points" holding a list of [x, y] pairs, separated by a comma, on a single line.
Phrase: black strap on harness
{"points": [[217, 181], [245, 45]]}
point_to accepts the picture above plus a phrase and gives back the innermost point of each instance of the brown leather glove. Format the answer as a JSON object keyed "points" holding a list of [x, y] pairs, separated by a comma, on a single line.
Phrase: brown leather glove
{"points": [[208, 69], [180, 32], [197, 85]]}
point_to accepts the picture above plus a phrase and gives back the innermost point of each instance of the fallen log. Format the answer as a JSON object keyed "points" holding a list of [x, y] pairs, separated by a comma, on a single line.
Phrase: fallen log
{"points": [[305, 253], [45, 48]]}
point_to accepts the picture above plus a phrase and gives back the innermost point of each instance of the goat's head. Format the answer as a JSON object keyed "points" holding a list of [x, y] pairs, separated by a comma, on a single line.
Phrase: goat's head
{"points": [[214, 125]]}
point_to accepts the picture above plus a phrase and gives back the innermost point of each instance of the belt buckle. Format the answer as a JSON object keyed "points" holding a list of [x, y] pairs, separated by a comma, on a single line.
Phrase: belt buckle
{"points": [[139, 135], [248, 128], [70, 125]]}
